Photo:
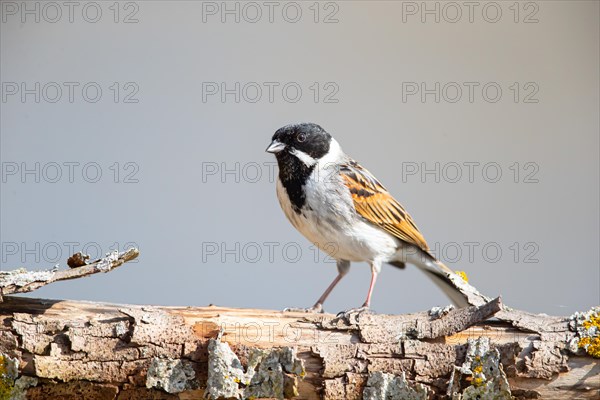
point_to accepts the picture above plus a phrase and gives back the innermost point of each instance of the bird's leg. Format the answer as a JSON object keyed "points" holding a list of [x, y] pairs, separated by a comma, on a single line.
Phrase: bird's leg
{"points": [[375, 268], [374, 273], [343, 267]]}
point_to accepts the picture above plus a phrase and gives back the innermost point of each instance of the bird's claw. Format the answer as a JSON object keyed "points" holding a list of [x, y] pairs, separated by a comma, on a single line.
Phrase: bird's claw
{"points": [[352, 314]]}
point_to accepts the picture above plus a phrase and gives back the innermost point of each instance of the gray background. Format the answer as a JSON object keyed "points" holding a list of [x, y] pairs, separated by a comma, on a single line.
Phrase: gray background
{"points": [[179, 216]]}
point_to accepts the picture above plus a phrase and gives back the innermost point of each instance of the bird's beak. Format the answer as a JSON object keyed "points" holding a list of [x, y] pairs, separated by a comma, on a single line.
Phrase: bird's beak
{"points": [[275, 147]]}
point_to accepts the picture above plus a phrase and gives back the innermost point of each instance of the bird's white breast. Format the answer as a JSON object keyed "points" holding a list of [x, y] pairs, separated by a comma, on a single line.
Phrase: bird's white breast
{"points": [[328, 218]]}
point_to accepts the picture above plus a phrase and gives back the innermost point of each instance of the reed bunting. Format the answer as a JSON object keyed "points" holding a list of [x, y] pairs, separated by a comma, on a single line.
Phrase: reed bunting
{"points": [[343, 209]]}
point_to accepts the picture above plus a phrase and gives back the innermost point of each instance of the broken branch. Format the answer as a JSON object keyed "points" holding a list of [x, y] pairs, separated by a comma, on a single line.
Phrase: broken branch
{"points": [[23, 281]]}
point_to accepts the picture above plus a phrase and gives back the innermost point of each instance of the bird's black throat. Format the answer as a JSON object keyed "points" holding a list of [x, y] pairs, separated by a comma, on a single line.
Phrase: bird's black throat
{"points": [[293, 175]]}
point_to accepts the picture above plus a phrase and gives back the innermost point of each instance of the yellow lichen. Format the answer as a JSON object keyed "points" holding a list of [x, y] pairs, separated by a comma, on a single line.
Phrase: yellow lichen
{"points": [[463, 275], [588, 329], [477, 369], [478, 377], [591, 346], [593, 321]]}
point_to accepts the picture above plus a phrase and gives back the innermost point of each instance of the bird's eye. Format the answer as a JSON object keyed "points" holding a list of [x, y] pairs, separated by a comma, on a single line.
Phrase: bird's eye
{"points": [[301, 137]]}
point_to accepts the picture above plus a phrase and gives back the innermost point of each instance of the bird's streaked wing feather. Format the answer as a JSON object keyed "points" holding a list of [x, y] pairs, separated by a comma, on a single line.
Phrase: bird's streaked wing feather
{"points": [[374, 203]]}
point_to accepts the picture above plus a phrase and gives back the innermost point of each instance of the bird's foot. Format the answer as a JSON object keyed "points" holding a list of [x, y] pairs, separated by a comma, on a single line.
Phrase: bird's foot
{"points": [[352, 314], [317, 308]]}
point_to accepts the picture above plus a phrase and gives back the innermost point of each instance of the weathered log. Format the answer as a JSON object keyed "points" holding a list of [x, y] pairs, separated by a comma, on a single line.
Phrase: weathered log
{"points": [[78, 350]]}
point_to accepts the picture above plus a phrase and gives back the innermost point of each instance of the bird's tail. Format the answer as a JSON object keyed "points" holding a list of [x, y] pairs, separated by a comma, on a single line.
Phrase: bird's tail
{"points": [[442, 276]]}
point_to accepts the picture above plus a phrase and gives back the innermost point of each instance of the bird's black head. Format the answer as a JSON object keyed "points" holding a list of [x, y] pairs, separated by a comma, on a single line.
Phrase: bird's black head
{"points": [[306, 141], [298, 148]]}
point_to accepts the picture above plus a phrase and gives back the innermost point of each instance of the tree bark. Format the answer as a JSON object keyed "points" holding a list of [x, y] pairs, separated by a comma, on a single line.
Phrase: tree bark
{"points": [[52, 349], [79, 350]]}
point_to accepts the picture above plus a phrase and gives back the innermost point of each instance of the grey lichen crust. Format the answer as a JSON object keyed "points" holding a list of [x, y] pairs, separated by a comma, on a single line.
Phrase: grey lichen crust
{"points": [[488, 380], [172, 376], [439, 312], [106, 263], [383, 386], [23, 383], [270, 373], [21, 277], [13, 386]]}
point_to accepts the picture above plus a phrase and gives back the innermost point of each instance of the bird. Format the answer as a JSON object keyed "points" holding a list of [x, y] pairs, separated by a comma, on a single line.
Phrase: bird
{"points": [[341, 207]]}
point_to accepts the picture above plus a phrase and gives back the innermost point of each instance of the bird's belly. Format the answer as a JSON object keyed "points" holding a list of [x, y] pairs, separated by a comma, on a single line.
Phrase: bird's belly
{"points": [[356, 241], [331, 224]]}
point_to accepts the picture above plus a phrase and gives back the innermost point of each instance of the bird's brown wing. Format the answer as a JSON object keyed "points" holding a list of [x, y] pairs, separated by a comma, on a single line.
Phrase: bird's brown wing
{"points": [[374, 203]]}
